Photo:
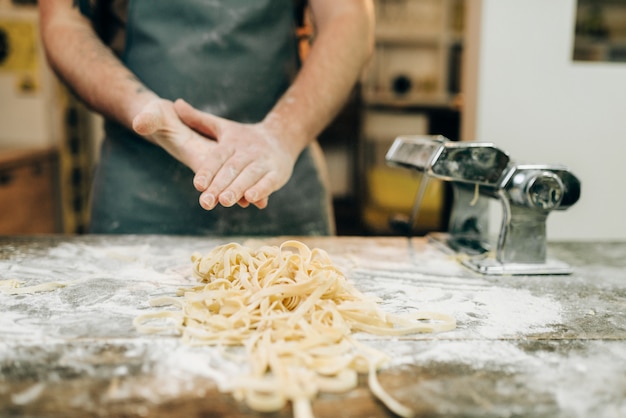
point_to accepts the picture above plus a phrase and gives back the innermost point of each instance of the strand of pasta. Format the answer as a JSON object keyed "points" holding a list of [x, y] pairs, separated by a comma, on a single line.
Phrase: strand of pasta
{"points": [[294, 313], [13, 287]]}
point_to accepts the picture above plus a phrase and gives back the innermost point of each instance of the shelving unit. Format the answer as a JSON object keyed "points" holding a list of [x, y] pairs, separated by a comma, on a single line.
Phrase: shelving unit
{"points": [[411, 87], [416, 41]]}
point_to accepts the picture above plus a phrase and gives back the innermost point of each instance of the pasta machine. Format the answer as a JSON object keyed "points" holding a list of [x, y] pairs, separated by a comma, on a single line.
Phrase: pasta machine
{"points": [[480, 173]]}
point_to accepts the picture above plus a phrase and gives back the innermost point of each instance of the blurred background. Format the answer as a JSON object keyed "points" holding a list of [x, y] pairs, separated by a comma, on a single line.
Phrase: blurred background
{"points": [[545, 81]]}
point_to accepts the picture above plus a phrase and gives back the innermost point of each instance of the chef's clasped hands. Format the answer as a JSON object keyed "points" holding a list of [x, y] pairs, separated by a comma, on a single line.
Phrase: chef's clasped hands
{"points": [[234, 163]]}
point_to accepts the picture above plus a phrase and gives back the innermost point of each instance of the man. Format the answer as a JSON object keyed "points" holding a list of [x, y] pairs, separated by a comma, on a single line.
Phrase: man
{"points": [[204, 99]]}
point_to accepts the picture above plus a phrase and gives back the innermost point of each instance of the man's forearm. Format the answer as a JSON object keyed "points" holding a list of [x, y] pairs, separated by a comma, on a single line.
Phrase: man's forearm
{"points": [[102, 81], [342, 46], [87, 66]]}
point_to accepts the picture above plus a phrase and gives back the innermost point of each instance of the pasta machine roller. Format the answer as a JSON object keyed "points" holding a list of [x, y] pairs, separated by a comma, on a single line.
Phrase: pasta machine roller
{"points": [[480, 173]]}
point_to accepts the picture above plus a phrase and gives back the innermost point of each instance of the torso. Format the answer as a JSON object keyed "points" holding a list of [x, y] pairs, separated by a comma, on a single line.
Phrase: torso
{"points": [[232, 58]]}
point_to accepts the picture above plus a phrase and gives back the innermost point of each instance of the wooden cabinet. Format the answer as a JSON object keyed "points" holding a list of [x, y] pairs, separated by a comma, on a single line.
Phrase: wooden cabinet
{"points": [[28, 191]]}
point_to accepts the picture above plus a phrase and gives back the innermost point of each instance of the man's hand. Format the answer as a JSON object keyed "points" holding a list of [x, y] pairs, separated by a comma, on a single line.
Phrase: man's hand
{"points": [[245, 164], [158, 123]]}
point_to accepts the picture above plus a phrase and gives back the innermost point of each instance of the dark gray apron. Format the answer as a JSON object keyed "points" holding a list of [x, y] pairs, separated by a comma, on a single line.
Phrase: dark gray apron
{"points": [[232, 58]]}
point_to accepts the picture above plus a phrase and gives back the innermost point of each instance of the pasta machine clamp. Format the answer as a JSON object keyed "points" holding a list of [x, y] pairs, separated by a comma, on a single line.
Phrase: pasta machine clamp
{"points": [[480, 173]]}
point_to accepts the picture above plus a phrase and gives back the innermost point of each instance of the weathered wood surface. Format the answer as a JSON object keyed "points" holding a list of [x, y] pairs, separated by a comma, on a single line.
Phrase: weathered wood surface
{"points": [[551, 346]]}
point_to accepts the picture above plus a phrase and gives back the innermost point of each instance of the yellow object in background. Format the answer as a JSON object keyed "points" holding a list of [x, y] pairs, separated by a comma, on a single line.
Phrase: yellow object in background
{"points": [[19, 39], [391, 192], [18, 53]]}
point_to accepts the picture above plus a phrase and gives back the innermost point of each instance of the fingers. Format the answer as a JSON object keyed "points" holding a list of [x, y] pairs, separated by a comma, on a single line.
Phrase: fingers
{"points": [[205, 174], [228, 185], [202, 122], [201, 180], [243, 167], [261, 204], [233, 186], [216, 175], [243, 203], [209, 203], [236, 192], [259, 193]]}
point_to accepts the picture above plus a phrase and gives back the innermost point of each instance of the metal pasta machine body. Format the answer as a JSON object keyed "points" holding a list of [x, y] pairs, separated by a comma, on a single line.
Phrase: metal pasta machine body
{"points": [[480, 173]]}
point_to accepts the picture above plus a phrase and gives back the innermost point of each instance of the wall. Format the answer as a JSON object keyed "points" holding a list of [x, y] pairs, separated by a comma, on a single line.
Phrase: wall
{"points": [[525, 94]]}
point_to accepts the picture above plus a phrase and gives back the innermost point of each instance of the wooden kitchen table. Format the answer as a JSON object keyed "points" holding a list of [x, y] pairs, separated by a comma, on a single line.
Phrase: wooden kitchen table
{"points": [[545, 346]]}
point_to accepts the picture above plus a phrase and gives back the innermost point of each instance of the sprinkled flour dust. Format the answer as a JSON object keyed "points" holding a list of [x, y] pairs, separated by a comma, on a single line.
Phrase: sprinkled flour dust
{"points": [[116, 283], [107, 286]]}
